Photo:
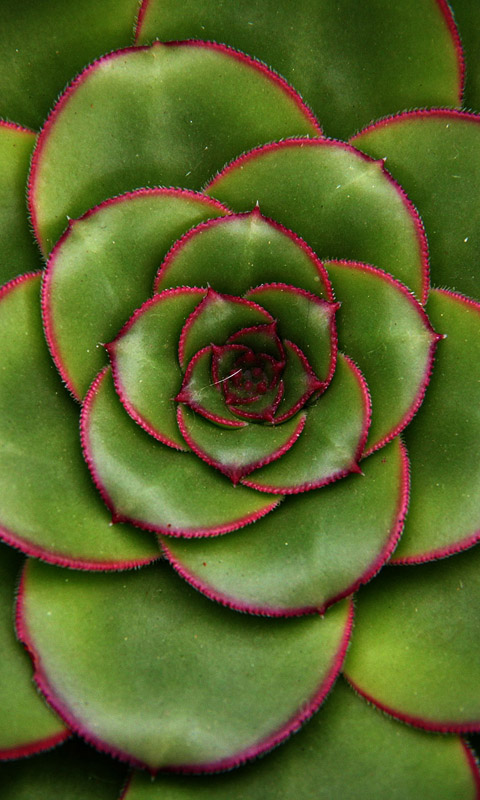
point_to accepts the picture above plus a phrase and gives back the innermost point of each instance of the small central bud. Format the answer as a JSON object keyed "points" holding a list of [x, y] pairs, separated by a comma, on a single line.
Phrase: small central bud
{"points": [[253, 374]]}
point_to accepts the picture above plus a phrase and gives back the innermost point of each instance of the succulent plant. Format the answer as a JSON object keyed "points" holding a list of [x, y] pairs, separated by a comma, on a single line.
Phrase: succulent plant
{"points": [[239, 415]]}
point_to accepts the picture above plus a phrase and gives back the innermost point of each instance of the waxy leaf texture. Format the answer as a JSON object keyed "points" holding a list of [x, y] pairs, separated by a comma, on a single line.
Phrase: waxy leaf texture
{"points": [[239, 400]]}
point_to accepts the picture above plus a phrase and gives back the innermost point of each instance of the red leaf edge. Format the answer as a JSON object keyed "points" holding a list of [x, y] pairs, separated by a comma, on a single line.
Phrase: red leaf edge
{"points": [[293, 724], [118, 517]]}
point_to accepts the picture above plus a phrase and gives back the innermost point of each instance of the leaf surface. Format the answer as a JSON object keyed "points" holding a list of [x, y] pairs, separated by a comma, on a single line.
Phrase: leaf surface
{"points": [[149, 117], [343, 204], [193, 685], [351, 61], [347, 750], [442, 440], [50, 507], [27, 724], [434, 156], [416, 649], [315, 548]]}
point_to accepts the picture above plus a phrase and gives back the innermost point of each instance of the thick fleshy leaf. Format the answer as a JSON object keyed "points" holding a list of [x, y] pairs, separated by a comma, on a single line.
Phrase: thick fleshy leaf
{"points": [[215, 319], [313, 550], [194, 687], [344, 204], [434, 155], [42, 45], [202, 393], [144, 362], [305, 320], [386, 331], [442, 440], [238, 451], [332, 441], [171, 114], [71, 772], [351, 61], [27, 724], [467, 16], [416, 649], [50, 509], [242, 251], [102, 270], [348, 750], [154, 486], [18, 252]]}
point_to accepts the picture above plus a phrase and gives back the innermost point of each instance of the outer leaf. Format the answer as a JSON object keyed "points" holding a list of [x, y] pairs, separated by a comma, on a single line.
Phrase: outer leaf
{"points": [[110, 132], [193, 687], [154, 486], [467, 15], [351, 61], [444, 513], [27, 724], [344, 204], [416, 649], [313, 550], [72, 772], [17, 250], [434, 155], [54, 41], [349, 751], [102, 270], [49, 506]]}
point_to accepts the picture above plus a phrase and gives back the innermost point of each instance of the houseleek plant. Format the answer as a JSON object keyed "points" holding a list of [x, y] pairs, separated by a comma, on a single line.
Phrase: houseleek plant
{"points": [[239, 400]]}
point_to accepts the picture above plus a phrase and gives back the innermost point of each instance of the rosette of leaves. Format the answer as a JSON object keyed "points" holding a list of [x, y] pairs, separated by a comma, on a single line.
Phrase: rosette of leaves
{"points": [[239, 416]]}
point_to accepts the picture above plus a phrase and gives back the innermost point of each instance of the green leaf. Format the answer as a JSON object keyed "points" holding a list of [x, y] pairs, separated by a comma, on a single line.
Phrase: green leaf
{"points": [[416, 649], [315, 548], [239, 252], [165, 115], [27, 724], [385, 330], [434, 155], [50, 507], [303, 319], [42, 45], [217, 318], [71, 772], [349, 751], [103, 269], [351, 61], [238, 451], [18, 252], [467, 16], [145, 362], [343, 204], [299, 381], [442, 440], [331, 442], [153, 485], [190, 684]]}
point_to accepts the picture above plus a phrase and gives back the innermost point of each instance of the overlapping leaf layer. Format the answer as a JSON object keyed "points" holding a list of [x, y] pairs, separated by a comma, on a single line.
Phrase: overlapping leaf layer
{"points": [[239, 373]]}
